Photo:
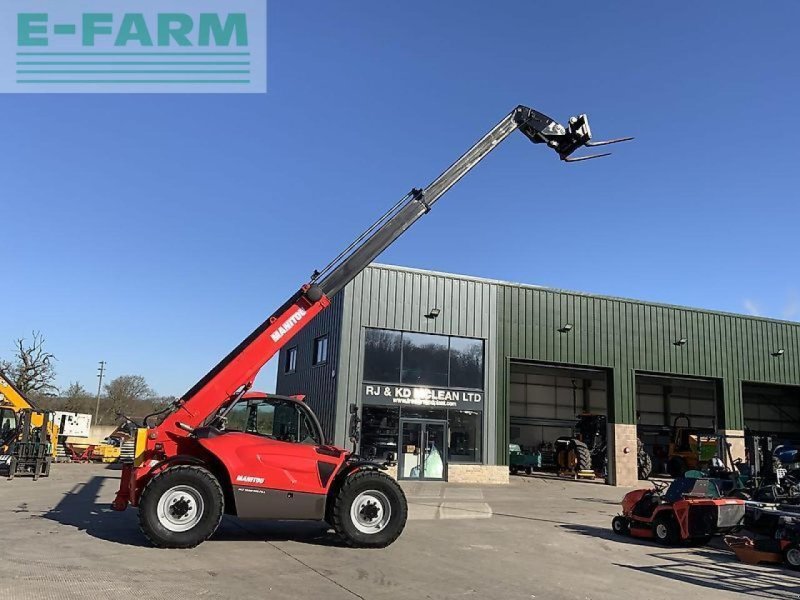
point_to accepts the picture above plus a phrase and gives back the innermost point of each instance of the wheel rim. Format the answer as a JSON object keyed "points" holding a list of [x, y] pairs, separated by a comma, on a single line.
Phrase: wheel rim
{"points": [[793, 557], [617, 524], [661, 531], [180, 508], [370, 512]]}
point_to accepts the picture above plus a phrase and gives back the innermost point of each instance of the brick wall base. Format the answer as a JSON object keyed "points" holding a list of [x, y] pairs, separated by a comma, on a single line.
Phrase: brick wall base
{"points": [[623, 468], [496, 474]]}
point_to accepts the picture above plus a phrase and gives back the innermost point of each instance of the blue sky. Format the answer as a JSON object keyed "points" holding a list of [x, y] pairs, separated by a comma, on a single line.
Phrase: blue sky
{"points": [[154, 232]]}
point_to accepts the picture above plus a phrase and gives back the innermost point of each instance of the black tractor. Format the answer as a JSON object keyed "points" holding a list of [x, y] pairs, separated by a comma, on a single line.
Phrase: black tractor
{"points": [[588, 449]]}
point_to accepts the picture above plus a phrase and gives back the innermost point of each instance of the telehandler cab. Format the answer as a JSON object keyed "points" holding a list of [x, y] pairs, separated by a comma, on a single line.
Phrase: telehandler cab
{"points": [[223, 448]]}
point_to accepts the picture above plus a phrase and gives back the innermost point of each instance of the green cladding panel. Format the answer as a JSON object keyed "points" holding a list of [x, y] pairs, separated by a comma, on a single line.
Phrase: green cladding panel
{"points": [[627, 337]]}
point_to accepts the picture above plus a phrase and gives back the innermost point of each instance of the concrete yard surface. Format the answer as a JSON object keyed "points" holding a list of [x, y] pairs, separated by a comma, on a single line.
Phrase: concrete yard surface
{"points": [[538, 537]]}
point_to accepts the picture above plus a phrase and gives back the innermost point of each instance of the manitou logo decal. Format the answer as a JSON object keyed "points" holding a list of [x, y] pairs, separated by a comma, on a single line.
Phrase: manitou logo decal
{"points": [[288, 325], [249, 479]]}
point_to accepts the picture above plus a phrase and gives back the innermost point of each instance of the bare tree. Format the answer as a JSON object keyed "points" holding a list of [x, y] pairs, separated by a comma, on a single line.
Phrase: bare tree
{"points": [[128, 394], [77, 398], [32, 369]]}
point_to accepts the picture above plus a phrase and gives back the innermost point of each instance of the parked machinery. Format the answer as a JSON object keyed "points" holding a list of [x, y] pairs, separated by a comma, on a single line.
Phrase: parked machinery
{"points": [[587, 451], [224, 448], [25, 446], [12, 400], [689, 510], [691, 448]]}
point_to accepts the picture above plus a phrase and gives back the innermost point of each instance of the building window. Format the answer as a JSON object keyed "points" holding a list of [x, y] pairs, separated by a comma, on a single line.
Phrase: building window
{"points": [[379, 427], [422, 359], [464, 428], [466, 363], [290, 364], [380, 430], [321, 350], [382, 355]]}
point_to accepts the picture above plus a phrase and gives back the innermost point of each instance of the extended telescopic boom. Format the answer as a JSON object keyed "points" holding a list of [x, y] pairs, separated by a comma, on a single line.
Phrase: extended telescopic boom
{"points": [[237, 371]]}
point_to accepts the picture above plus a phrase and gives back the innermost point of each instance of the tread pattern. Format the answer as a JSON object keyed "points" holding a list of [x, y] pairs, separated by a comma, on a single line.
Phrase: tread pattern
{"points": [[200, 471], [582, 455], [339, 509]]}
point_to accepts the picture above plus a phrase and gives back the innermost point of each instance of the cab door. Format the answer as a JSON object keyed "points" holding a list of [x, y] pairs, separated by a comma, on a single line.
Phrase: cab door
{"points": [[272, 453]]}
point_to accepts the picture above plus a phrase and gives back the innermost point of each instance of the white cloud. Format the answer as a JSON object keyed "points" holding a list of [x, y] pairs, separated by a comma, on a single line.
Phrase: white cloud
{"points": [[752, 308], [792, 308]]}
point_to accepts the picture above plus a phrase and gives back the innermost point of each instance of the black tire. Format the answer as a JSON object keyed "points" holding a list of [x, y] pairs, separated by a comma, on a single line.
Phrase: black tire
{"points": [[181, 489], [791, 556], [666, 530], [620, 525], [580, 456], [528, 470], [645, 465], [514, 470], [375, 493], [676, 466]]}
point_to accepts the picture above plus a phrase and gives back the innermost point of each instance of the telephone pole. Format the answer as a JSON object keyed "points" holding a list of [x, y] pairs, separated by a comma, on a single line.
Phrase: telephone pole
{"points": [[100, 371]]}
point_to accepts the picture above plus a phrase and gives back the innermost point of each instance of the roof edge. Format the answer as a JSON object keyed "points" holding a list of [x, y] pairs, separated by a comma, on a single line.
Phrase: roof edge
{"points": [[543, 288]]}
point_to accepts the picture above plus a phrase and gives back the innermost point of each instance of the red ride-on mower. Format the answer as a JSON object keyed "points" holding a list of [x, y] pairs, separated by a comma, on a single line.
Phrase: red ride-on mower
{"points": [[689, 510]]}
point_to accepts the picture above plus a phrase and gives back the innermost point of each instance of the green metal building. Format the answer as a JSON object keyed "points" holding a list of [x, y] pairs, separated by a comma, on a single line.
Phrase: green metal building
{"points": [[465, 366]]}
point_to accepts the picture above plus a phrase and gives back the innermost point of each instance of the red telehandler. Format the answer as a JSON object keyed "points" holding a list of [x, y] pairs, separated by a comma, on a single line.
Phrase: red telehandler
{"points": [[225, 449]]}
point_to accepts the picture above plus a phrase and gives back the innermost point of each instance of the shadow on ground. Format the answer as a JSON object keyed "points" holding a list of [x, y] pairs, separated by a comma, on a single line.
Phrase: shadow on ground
{"points": [[81, 509], [713, 567], [721, 571]]}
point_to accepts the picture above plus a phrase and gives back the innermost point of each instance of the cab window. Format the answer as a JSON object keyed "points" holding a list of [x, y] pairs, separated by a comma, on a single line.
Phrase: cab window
{"points": [[276, 419]]}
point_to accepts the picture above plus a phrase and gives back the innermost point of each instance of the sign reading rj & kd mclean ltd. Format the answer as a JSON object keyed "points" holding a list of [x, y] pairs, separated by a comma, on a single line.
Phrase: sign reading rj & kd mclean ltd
{"points": [[427, 397], [98, 46]]}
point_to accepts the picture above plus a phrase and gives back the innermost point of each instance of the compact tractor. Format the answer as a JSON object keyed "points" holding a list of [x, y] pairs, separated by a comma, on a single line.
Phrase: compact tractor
{"points": [[587, 451], [689, 510], [225, 448]]}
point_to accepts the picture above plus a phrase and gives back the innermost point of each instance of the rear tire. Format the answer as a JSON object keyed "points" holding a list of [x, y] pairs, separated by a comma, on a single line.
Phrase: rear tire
{"points": [[666, 531], [181, 507], [370, 510], [791, 556], [579, 456]]}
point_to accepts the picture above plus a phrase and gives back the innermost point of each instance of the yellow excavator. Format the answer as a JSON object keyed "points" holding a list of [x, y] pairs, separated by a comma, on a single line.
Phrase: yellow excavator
{"points": [[28, 435]]}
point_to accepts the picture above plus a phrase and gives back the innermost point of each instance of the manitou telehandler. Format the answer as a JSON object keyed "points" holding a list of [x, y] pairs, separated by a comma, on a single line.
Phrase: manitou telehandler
{"points": [[223, 448]]}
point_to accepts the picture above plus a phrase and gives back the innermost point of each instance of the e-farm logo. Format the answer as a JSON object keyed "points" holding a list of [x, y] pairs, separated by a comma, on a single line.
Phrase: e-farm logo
{"points": [[133, 46]]}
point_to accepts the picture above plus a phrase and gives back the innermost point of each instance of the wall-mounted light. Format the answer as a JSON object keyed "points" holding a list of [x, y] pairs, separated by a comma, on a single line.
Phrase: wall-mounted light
{"points": [[565, 328], [680, 342], [434, 312], [779, 352]]}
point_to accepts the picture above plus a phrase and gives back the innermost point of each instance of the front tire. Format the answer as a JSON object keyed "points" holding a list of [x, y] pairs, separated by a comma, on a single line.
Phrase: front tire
{"points": [[620, 525], [370, 510], [181, 507]]}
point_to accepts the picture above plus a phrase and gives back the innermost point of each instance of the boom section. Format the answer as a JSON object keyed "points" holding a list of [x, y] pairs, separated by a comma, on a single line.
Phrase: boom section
{"points": [[241, 366]]}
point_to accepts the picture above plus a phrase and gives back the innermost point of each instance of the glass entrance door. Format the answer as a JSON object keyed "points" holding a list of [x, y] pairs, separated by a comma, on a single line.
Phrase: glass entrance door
{"points": [[423, 452]]}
